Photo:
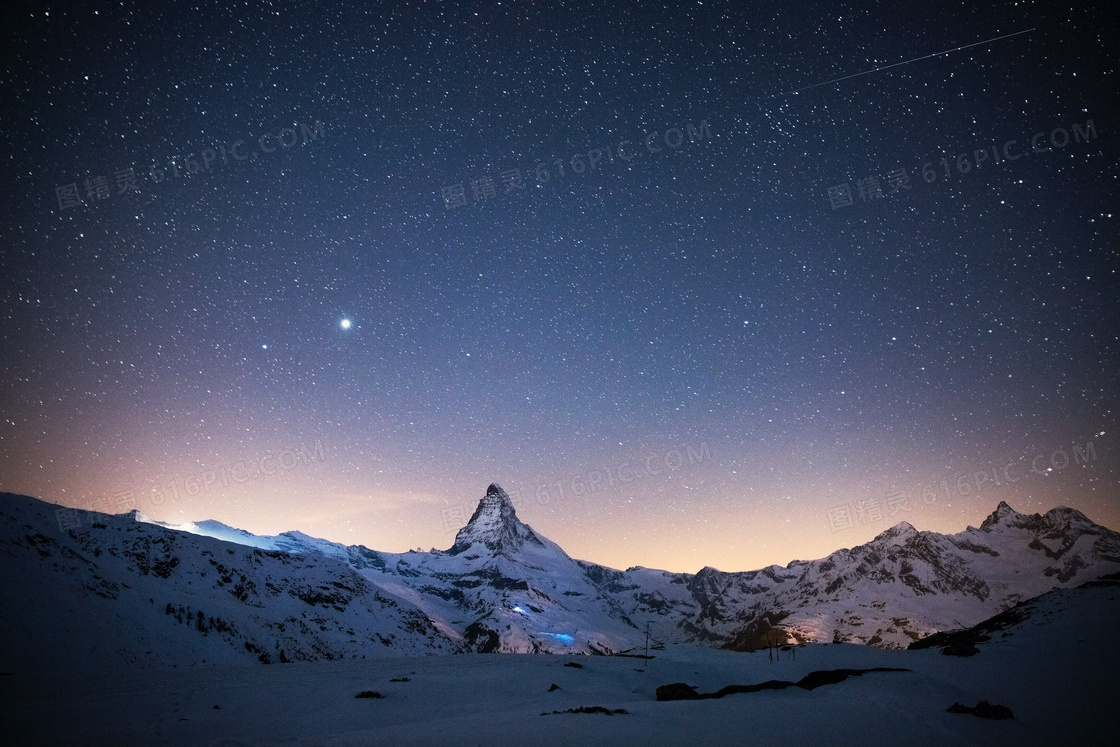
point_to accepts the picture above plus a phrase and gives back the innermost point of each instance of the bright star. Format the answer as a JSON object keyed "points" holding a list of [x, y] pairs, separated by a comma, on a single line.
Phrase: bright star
{"points": [[345, 323]]}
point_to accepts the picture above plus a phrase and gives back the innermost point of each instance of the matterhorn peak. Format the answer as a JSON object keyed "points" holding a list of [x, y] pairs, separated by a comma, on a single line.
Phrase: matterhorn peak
{"points": [[495, 493], [494, 525]]}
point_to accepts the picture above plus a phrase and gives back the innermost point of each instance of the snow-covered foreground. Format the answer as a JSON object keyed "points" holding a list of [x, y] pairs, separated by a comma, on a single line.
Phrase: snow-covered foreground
{"points": [[1056, 671]]}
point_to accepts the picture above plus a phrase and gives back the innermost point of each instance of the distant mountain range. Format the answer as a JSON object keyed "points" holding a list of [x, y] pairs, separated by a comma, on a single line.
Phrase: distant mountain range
{"points": [[131, 590]]}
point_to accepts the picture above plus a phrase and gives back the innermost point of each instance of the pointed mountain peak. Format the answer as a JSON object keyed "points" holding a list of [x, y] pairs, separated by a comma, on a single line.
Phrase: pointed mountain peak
{"points": [[494, 525], [495, 493], [899, 534], [1001, 515], [495, 506], [1064, 517]]}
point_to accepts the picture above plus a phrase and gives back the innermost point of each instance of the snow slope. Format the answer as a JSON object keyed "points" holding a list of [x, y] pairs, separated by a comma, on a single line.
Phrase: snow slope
{"points": [[1054, 669], [125, 593]]}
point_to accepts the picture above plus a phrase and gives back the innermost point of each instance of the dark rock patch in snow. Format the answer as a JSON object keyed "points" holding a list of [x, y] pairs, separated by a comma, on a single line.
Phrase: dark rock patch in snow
{"points": [[984, 709], [482, 639], [1110, 579], [678, 691], [811, 681], [590, 709], [760, 633], [832, 676], [963, 642]]}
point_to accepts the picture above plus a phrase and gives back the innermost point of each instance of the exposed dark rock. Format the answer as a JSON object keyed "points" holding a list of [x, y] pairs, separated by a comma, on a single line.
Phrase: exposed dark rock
{"points": [[811, 681], [816, 679], [767, 685], [963, 642], [654, 602], [761, 632], [678, 691], [608, 578], [1110, 579], [984, 709], [481, 639], [974, 547]]}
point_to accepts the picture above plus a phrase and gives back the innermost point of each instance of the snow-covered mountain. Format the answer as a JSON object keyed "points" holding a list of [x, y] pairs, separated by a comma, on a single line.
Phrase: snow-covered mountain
{"points": [[128, 591], [135, 589], [506, 588], [899, 587]]}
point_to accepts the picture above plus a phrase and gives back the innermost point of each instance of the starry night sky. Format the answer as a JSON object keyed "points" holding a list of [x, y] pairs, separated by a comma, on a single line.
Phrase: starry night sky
{"points": [[370, 291]]}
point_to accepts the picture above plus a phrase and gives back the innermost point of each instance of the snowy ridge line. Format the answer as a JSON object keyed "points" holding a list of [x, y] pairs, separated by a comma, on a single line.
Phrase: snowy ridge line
{"points": [[242, 471], [967, 484], [502, 587]]}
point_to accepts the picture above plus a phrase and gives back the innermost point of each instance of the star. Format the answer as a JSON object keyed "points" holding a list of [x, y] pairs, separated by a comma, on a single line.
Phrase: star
{"points": [[345, 324]]}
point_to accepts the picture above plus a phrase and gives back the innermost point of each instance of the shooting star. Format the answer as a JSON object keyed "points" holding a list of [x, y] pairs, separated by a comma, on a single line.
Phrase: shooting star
{"points": [[905, 62]]}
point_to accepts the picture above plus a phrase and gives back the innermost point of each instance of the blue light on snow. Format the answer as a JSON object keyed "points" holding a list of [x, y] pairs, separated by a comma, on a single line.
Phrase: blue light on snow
{"points": [[562, 637]]}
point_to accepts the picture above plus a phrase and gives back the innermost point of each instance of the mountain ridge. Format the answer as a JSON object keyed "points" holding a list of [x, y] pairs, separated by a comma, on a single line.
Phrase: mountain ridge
{"points": [[502, 587]]}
